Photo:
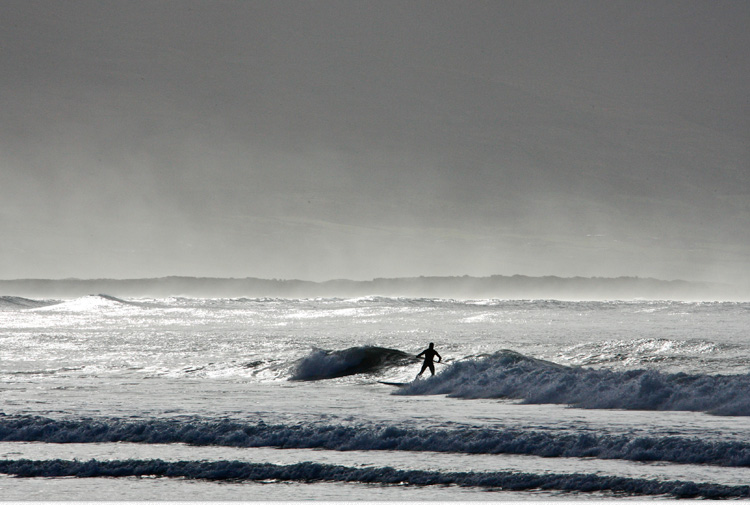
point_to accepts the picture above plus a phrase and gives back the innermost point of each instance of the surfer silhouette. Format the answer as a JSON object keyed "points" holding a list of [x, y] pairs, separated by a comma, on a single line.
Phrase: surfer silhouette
{"points": [[429, 354]]}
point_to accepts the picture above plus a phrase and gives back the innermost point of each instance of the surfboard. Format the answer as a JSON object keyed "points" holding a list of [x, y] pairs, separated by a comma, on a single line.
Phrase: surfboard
{"points": [[397, 384]]}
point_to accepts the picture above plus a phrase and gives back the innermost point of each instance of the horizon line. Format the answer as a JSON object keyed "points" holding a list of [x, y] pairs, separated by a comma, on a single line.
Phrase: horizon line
{"points": [[374, 279]]}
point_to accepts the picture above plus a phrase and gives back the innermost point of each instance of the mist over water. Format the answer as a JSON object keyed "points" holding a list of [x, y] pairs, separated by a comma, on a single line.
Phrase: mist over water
{"points": [[465, 287], [329, 140]]}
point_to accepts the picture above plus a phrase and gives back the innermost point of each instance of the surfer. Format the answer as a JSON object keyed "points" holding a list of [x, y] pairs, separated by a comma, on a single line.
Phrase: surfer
{"points": [[429, 354]]}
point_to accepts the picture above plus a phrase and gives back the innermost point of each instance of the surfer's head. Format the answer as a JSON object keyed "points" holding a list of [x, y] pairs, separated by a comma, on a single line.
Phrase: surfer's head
{"points": [[432, 345]]}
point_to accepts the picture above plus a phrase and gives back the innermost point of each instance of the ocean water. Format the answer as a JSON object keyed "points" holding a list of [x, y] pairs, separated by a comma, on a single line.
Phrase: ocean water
{"points": [[272, 399]]}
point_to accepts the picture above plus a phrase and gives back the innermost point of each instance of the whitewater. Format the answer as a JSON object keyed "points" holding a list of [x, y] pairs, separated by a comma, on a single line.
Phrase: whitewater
{"points": [[103, 397]]}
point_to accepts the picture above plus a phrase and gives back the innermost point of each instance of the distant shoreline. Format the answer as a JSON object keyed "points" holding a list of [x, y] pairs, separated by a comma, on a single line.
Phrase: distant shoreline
{"points": [[460, 287]]}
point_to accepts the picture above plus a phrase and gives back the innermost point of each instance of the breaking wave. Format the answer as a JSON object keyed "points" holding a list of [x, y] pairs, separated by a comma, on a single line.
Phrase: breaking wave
{"points": [[322, 364], [308, 472], [507, 374], [367, 437], [85, 303]]}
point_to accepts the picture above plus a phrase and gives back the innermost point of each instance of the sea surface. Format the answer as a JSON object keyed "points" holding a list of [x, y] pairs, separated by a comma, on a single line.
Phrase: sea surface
{"points": [[104, 398]]}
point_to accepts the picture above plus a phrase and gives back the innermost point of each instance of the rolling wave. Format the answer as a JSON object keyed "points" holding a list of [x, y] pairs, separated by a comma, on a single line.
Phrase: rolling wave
{"points": [[309, 472], [507, 374], [322, 364], [17, 302], [365, 438]]}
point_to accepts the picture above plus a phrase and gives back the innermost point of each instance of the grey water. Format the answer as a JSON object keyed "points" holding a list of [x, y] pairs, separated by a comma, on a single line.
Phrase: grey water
{"points": [[534, 399]]}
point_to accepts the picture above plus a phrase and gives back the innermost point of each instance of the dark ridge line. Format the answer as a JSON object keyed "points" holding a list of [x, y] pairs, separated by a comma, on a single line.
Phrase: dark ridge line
{"points": [[316, 472]]}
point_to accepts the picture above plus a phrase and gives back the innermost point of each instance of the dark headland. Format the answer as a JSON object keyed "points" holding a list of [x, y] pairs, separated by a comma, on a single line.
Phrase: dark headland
{"points": [[462, 287]]}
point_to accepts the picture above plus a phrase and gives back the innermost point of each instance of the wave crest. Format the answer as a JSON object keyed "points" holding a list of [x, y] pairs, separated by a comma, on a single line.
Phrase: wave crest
{"points": [[316, 472], [17, 302], [368, 438], [322, 364], [507, 374]]}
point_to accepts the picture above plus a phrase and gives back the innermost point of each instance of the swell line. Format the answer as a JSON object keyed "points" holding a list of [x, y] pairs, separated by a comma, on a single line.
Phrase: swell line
{"points": [[315, 472], [367, 437]]}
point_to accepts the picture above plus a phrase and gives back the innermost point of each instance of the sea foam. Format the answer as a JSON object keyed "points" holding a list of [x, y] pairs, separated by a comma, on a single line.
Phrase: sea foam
{"points": [[507, 374]]}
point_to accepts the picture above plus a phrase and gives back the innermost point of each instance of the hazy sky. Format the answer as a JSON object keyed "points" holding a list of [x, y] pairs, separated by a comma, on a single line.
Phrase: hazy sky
{"points": [[330, 139]]}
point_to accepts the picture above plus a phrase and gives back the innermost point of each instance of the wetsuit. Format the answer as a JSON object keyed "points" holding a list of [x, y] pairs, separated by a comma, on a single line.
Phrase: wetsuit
{"points": [[429, 354]]}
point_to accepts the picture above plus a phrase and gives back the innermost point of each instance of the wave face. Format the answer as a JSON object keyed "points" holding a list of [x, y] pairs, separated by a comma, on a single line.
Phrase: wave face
{"points": [[507, 374], [322, 364], [366, 437], [316, 472], [17, 302]]}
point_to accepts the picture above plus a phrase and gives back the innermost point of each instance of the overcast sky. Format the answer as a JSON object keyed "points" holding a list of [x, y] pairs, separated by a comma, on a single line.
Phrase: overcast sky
{"points": [[327, 139]]}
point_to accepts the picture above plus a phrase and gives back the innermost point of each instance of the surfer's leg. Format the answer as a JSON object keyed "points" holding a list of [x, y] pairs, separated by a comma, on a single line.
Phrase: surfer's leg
{"points": [[432, 369]]}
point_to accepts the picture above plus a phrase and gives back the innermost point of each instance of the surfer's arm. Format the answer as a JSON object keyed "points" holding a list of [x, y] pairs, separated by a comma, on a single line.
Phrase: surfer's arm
{"points": [[440, 358], [421, 354]]}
